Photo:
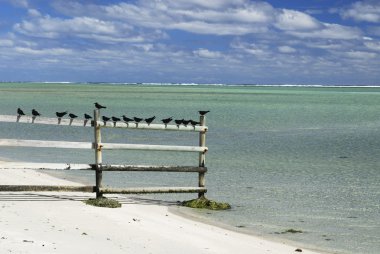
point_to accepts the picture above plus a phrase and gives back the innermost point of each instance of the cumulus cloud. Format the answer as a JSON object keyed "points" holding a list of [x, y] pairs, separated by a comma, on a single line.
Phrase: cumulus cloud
{"points": [[373, 45], [361, 54], [51, 51], [202, 17], [291, 20], [286, 49], [165, 34], [52, 27], [6, 43], [330, 31], [257, 50], [34, 13], [207, 53], [82, 27], [368, 11]]}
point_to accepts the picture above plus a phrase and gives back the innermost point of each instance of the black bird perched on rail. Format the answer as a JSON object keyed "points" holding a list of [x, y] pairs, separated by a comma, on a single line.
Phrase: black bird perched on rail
{"points": [[202, 113], [167, 120], [98, 106], [178, 122], [150, 120], [127, 119], [35, 113], [194, 123], [105, 119], [87, 116], [186, 122], [20, 112], [115, 119], [137, 120], [72, 116], [60, 114]]}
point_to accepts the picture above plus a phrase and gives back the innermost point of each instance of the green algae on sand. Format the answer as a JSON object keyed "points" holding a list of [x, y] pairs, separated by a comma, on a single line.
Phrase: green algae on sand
{"points": [[206, 204], [103, 202]]}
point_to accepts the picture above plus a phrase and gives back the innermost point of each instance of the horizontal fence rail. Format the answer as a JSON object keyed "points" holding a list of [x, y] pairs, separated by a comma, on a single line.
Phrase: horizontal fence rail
{"points": [[106, 146], [46, 144], [104, 167], [47, 188], [146, 190]]}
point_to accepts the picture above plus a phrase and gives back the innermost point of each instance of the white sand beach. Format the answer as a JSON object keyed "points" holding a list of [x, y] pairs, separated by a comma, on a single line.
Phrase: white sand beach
{"points": [[47, 222]]}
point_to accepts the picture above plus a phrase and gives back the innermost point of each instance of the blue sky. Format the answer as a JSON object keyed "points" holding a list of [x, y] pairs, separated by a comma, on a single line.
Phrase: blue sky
{"points": [[191, 41]]}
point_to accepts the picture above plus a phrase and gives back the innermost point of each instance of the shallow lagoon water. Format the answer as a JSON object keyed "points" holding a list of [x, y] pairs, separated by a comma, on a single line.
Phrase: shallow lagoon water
{"points": [[302, 158]]}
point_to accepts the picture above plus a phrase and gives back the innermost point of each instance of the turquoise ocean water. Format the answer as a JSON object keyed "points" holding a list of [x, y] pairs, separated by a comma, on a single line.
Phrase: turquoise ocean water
{"points": [[304, 158]]}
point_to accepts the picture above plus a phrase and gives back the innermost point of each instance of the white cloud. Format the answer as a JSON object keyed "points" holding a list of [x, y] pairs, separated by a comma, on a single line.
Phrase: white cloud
{"points": [[330, 31], [373, 45], [213, 4], [361, 54], [52, 27], [215, 17], [291, 20], [34, 13], [82, 27], [207, 53], [251, 48], [201, 27], [368, 11], [6, 43], [286, 49], [45, 52]]}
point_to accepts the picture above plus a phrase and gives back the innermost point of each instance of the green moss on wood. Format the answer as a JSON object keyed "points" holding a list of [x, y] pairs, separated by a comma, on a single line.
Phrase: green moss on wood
{"points": [[206, 204], [103, 202]]}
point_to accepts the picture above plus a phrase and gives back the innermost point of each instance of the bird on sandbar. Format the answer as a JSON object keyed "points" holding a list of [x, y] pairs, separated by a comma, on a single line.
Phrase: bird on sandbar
{"points": [[87, 116], [167, 120], [72, 116], [150, 120], [20, 112], [105, 119], [35, 113], [60, 114], [202, 113], [137, 119], [98, 106]]}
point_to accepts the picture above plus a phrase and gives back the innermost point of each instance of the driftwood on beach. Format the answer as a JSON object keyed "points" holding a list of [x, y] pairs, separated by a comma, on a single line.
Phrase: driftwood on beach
{"points": [[98, 146]]}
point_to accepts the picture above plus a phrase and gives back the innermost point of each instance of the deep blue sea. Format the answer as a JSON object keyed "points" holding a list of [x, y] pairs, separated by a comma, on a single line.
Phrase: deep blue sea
{"points": [[303, 158]]}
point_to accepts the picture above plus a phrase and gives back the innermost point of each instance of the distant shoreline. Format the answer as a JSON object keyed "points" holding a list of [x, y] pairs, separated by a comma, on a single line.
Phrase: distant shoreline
{"points": [[190, 84]]}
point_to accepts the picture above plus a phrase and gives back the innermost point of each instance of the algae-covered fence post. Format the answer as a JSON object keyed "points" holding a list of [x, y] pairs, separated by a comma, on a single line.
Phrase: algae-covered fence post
{"points": [[99, 147]]}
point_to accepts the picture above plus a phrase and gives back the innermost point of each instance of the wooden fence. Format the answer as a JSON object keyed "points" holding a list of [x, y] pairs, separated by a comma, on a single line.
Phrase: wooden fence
{"points": [[98, 146]]}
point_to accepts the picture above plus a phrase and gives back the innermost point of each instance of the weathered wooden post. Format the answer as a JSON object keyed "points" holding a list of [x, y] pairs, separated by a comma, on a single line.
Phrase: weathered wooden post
{"points": [[98, 154], [202, 155]]}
